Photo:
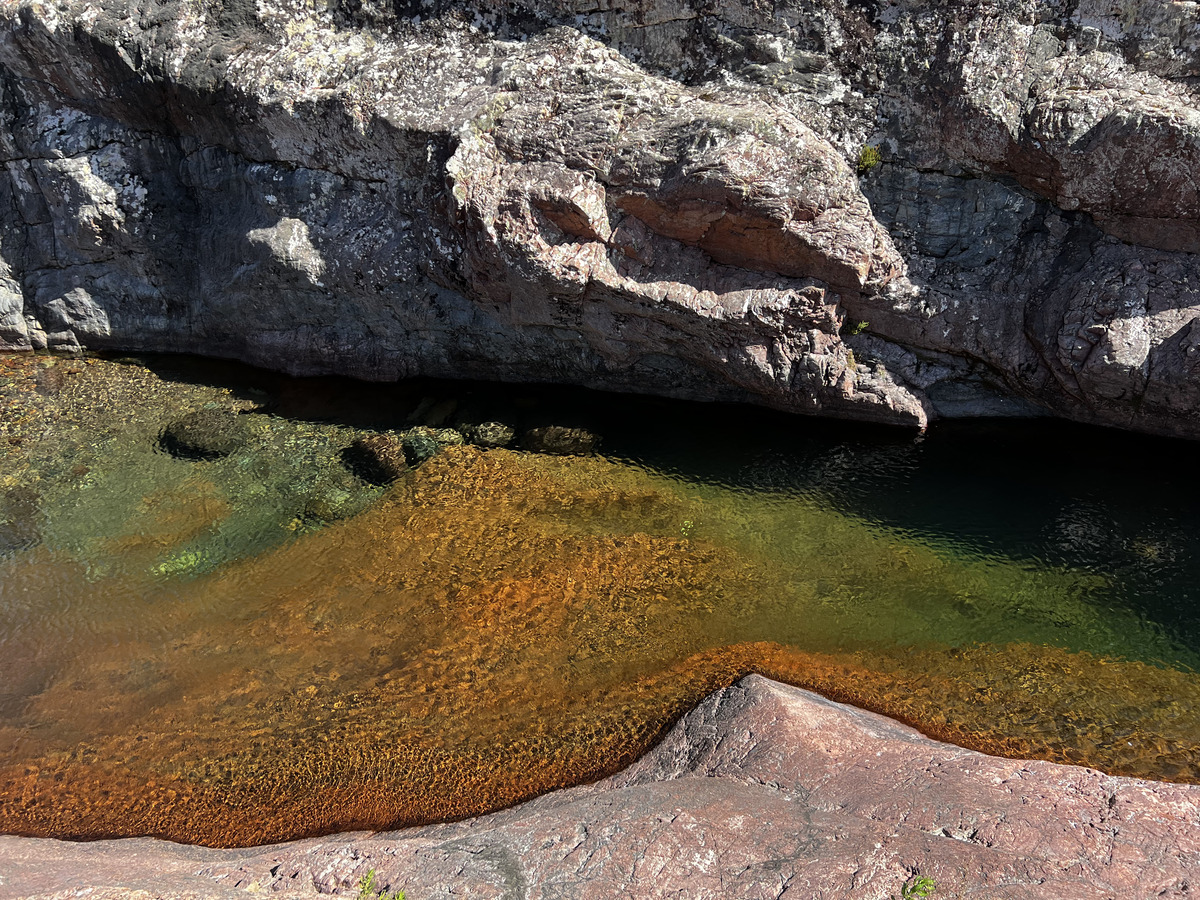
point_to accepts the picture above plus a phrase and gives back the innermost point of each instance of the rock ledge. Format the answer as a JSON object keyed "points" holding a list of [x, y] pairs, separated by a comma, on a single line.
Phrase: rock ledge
{"points": [[762, 791]]}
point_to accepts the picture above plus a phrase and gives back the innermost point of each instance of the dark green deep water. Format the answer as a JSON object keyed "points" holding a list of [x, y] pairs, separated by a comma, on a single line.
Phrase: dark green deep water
{"points": [[1051, 570], [1042, 494]]}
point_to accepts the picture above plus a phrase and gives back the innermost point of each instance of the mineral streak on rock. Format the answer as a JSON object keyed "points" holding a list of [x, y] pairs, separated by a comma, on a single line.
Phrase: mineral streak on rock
{"points": [[658, 198]]}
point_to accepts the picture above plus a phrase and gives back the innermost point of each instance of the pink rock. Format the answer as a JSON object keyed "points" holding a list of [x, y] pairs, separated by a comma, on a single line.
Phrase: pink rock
{"points": [[763, 791]]}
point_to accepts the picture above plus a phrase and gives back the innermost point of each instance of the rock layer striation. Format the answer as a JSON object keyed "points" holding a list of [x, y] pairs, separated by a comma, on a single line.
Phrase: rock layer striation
{"points": [[661, 197]]}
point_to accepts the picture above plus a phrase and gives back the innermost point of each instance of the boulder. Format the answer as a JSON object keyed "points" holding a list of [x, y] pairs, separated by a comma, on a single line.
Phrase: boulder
{"points": [[419, 445], [489, 434], [559, 439], [378, 458], [422, 443], [447, 437], [206, 434]]}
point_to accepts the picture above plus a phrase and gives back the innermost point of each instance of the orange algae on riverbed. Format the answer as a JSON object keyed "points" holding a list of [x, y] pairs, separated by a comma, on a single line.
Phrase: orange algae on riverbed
{"points": [[500, 625]]}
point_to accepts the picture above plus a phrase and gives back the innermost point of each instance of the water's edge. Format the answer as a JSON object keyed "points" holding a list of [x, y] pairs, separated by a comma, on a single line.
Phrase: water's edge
{"points": [[791, 788], [251, 642]]}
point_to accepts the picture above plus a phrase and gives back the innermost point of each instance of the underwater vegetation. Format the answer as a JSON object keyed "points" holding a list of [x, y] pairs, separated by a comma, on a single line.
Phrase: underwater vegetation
{"points": [[187, 654]]}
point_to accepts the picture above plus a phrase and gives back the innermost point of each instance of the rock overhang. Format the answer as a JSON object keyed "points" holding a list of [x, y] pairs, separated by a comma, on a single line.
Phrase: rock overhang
{"points": [[738, 167]]}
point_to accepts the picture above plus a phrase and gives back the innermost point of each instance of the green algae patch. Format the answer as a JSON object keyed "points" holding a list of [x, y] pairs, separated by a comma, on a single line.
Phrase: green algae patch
{"points": [[500, 624]]}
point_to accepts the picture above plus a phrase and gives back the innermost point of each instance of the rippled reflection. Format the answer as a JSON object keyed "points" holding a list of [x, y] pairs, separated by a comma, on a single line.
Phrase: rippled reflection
{"points": [[186, 650]]}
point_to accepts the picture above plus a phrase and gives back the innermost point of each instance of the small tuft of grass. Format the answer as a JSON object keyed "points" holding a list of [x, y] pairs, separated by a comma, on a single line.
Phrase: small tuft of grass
{"points": [[919, 887], [868, 158], [852, 328], [367, 889]]}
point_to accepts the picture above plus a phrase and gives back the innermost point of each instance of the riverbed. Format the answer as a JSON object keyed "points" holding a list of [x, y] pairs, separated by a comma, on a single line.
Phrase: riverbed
{"points": [[259, 644]]}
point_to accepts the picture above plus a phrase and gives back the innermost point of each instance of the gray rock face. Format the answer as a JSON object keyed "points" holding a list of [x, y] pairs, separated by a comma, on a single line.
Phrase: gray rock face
{"points": [[658, 198], [763, 791]]}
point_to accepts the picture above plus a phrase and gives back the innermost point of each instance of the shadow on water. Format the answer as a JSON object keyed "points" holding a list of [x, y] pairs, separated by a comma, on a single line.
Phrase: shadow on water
{"points": [[1048, 492], [254, 644]]}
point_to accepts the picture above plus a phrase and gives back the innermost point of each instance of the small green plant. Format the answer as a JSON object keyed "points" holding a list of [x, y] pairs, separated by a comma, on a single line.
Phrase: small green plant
{"points": [[919, 887], [686, 528], [852, 328], [180, 563], [868, 158], [368, 891]]}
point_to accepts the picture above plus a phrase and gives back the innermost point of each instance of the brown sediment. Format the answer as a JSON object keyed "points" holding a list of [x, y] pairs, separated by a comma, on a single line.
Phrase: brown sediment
{"points": [[502, 625], [167, 518], [351, 779]]}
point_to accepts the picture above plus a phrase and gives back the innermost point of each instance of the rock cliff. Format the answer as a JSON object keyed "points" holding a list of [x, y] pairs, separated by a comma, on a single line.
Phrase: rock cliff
{"points": [[763, 791], [660, 195]]}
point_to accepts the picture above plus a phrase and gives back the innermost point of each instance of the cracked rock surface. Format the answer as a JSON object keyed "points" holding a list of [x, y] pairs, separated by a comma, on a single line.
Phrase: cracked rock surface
{"points": [[660, 197], [763, 791]]}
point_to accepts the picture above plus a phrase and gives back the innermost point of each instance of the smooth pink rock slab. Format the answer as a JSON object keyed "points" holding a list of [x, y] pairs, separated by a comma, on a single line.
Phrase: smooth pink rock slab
{"points": [[763, 791]]}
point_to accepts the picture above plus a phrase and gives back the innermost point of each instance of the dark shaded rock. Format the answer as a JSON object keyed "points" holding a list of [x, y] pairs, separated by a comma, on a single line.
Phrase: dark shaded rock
{"points": [[253, 399], [379, 458], [434, 413], [763, 790], [419, 445], [20, 520], [560, 439], [489, 434], [206, 434]]}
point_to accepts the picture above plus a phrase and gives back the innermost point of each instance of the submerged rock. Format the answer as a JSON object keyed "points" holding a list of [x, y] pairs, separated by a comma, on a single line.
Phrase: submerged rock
{"points": [[205, 435], [489, 434], [420, 444], [329, 506], [20, 519], [560, 439], [379, 458], [447, 437], [53, 378]]}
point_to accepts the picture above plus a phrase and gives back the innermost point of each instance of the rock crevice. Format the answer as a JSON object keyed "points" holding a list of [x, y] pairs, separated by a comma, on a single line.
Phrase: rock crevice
{"points": [[661, 198]]}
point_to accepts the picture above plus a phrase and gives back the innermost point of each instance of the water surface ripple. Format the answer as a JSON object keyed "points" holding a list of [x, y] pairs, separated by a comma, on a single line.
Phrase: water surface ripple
{"points": [[200, 649]]}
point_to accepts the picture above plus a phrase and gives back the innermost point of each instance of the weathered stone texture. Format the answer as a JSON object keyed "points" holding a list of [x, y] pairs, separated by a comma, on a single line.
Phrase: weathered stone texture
{"points": [[660, 197], [763, 791]]}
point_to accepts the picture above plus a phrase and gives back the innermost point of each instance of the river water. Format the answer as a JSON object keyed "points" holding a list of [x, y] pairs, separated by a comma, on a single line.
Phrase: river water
{"points": [[263, 645]]}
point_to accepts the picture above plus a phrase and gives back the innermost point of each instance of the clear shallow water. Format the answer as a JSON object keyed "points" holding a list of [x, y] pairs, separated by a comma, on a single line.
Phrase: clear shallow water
{"points": [[186, 650]]}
